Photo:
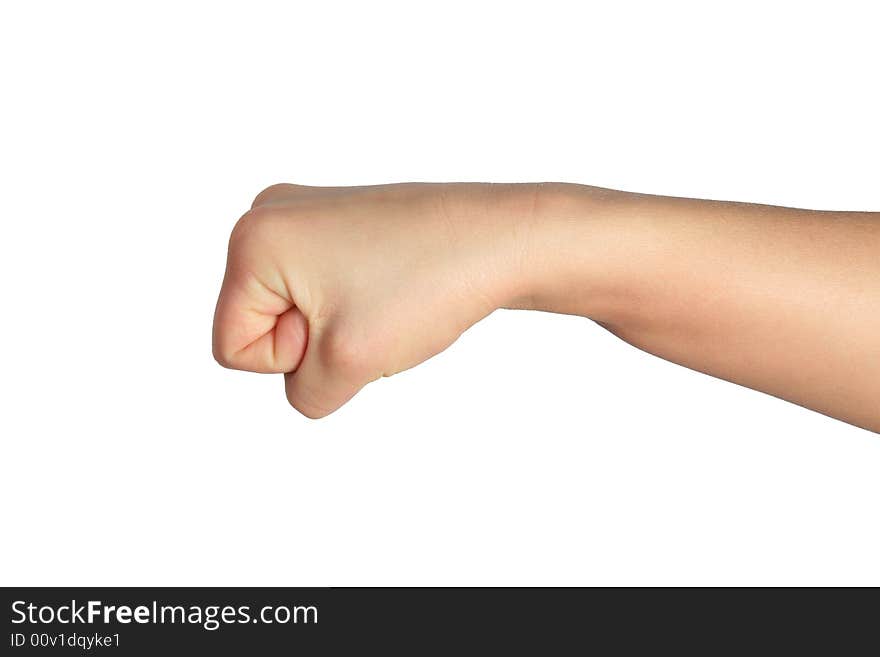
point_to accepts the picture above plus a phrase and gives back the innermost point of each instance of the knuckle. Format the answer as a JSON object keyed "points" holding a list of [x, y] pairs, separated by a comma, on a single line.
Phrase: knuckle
{"points": [[255, 227], [222, 347], [272, 193], [344, 351], [223, 357]]}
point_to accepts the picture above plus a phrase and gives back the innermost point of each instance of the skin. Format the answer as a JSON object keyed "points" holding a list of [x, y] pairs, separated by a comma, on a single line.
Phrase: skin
{"points": [[338, 286]]}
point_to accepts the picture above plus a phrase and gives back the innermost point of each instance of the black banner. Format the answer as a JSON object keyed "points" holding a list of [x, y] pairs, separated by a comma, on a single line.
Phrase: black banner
{"points": [[150, 621]]}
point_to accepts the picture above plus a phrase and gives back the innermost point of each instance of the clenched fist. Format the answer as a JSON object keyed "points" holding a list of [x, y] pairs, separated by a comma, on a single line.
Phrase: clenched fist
{"points": [[338, 286]]}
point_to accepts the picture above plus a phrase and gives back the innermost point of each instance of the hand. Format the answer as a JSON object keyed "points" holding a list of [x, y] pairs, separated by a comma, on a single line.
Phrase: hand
{"points": [[337, 286]]}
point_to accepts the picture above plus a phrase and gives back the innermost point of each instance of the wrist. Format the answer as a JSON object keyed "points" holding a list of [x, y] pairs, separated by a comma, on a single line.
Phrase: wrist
{"points": [[577, 253]]}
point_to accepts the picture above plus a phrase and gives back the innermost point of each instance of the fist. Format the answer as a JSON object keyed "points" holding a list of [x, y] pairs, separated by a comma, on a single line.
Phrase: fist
{"points": [[337, 286]]}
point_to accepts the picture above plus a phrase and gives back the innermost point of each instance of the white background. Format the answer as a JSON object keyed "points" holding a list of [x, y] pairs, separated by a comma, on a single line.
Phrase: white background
{"points": [[536, 450]]}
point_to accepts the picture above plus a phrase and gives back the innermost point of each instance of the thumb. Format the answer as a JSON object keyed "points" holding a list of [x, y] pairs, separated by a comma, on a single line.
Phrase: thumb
{"points": [[330, 374], [257, 330]]}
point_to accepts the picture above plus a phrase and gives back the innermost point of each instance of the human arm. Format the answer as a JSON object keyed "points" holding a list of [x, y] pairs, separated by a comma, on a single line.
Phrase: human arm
{"points": [[338, 286]]}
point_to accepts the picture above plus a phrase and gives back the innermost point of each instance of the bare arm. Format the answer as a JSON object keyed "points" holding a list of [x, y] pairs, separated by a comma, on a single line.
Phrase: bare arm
{"points": [[780, 300], [338, 286]]}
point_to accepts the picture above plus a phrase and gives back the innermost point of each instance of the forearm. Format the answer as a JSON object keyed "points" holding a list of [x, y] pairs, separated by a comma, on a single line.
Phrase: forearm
{"points": [[781, 300]]}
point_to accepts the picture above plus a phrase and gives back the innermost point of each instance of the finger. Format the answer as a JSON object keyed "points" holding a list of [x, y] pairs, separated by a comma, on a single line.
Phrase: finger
{"points": [[258, 331], [324, 381]]}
